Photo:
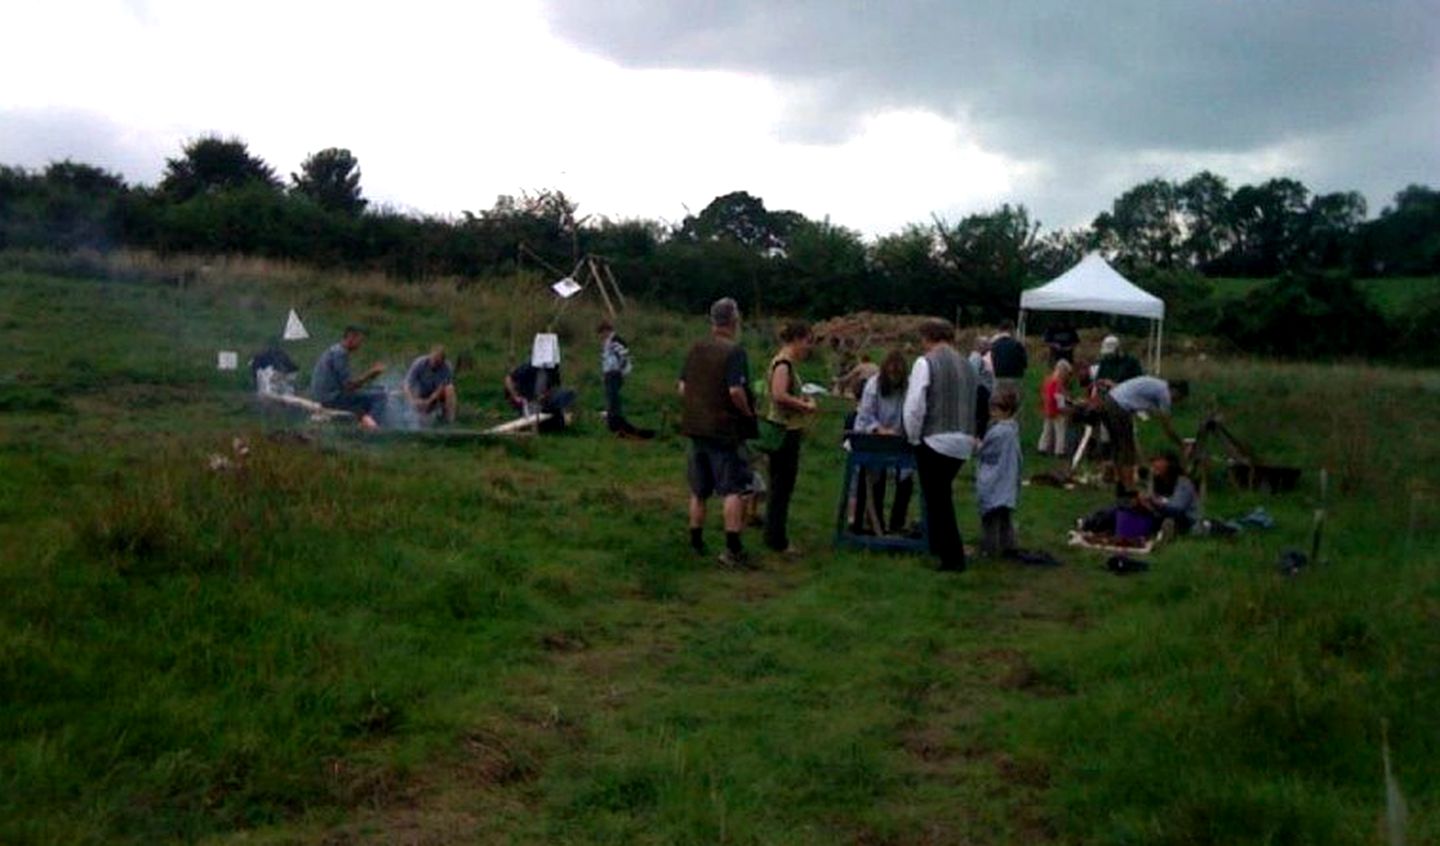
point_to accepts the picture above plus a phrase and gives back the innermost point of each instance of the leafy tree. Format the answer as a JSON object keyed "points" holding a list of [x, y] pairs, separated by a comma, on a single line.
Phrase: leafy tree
{"points": [[1405, 239], [84, 180], [987, 258], [824, 273], [1145, 223], [1203, 200], [905, 268], [331, 178], [1267, 220], [1328, 230], [743, 219], [212, 164], [1060, 250]]}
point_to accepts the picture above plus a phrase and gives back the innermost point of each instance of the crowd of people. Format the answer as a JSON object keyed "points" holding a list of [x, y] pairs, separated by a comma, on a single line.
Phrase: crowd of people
{"points": [[945, 406]]}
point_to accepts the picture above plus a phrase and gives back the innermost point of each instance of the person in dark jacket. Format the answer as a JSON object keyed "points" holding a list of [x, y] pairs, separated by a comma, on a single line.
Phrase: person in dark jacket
{"points": [[1007, 359]]}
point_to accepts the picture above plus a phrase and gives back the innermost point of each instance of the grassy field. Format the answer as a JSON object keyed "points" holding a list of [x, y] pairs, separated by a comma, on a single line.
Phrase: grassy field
{"points": [[1392, 295], [387, 641]]}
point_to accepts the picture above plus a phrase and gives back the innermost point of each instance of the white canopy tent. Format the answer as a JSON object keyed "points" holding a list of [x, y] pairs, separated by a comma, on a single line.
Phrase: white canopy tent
{"points": [[1093, 285]]}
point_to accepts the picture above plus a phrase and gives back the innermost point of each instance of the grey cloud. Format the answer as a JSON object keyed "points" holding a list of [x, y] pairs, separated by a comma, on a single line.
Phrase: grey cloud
{"points": [[1070, 84], [34, 138]]}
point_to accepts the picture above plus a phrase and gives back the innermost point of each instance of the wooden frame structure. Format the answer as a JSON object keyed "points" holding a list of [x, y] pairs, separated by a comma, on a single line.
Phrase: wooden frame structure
{"points": [[589, 271]]}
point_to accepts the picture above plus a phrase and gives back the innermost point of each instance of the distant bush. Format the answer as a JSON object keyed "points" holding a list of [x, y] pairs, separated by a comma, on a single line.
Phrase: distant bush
{"points": [[1418, 332], [1190, 304], [1306, 315]]}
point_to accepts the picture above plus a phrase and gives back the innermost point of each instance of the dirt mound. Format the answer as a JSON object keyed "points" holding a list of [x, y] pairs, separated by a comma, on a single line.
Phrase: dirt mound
{"points": [[870, 329]]}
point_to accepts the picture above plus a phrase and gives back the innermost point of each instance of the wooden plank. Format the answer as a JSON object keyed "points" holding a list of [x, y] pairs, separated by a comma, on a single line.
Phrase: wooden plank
{"points": [[518, 425], [310, 407]]}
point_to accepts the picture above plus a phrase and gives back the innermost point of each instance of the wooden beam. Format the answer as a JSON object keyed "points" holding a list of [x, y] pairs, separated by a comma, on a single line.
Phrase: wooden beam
{"points": [[600, 283], [614, 286]]}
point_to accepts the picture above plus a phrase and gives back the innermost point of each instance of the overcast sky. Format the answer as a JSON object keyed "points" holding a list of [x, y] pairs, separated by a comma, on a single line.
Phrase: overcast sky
{"points": [[873, 113]]}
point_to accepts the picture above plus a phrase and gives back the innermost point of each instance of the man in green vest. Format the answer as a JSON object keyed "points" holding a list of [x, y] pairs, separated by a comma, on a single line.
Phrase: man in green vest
{"points": [[718, 416]]}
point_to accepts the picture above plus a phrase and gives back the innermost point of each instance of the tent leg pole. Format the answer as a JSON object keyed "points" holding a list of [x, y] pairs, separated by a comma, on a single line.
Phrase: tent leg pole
{"points": [[1159, 340]]}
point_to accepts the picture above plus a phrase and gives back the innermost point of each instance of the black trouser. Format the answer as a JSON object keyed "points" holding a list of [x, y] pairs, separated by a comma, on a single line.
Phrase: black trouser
{"points": [[614, 415], [937, 476], [871, 486], [982, 410], [999, 532], [784, 468]]}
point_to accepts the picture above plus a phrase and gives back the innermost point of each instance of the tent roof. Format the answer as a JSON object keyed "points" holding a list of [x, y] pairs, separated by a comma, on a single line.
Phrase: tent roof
{"points": [[1093, 285]]}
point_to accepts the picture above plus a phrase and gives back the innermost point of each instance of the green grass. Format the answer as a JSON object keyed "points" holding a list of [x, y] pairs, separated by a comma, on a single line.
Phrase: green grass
{"points": [[385, 641], [1394, 296]]}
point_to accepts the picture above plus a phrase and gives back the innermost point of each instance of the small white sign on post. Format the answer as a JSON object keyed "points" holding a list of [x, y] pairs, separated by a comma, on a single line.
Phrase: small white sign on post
{"points": [[545, 352], [294, 329], [566, 288], [228, 360]]}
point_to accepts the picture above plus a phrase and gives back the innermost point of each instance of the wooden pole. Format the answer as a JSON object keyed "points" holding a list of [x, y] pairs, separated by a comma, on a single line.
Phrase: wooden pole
{"points": [[1319, 518], [600, 283], [614, 286]]}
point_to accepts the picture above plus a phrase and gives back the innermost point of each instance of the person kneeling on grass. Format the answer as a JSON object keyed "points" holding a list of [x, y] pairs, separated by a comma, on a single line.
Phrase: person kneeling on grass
{"points": [[533, 390], [997, 477], [332, 387], [1172, 494], [430, 385]]}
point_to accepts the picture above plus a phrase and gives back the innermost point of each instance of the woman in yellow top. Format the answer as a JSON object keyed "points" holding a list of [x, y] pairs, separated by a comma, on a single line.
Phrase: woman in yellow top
{"points": [[789, 409]]}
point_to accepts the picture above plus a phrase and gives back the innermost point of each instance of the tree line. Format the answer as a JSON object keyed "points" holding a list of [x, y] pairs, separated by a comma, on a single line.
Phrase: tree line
{"points": [[216, 197]]}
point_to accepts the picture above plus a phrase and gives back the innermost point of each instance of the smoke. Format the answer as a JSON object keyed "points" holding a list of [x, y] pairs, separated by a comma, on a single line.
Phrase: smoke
{"points": [[399, 414]]}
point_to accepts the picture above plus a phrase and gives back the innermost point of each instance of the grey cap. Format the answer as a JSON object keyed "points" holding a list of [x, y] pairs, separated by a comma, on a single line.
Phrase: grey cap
{"points": [[725, 312]]}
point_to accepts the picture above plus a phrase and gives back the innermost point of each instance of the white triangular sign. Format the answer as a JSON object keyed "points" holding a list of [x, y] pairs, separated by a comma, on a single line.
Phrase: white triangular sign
{"points": [[294, 329]]}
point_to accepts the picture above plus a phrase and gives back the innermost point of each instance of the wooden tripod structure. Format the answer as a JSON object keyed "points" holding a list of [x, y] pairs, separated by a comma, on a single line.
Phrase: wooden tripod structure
{"points": [[589, 271]]}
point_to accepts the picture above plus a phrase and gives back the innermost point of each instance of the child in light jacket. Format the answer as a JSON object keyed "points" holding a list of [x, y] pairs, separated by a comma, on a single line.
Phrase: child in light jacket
{"points": [[997, 476]]}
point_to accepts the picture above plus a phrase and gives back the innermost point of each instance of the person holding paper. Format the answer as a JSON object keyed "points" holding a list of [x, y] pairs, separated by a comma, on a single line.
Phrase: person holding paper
{"points": [[788, 410], [939, 416]]}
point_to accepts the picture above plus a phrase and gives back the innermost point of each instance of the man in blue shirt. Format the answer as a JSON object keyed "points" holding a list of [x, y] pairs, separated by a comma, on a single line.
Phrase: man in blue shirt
{"points": [[430, 385], [332, 387]]}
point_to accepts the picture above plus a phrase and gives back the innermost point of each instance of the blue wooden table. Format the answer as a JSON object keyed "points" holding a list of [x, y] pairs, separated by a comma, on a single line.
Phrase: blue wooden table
{"points": [[877, 455]]}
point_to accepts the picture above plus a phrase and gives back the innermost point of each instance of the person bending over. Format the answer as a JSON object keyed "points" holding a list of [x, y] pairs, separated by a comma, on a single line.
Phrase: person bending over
{"points": [[430, 385], [535, 390], [881, 413], [1118, 409]]}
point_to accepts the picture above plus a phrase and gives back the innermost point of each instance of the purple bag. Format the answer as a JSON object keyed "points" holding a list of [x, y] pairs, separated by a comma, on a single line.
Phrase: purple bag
{"points": [[1134, 523]]}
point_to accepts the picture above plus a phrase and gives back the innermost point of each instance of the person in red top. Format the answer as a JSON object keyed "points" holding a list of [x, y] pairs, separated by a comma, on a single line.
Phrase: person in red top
{"points": [[1053, 402]]}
